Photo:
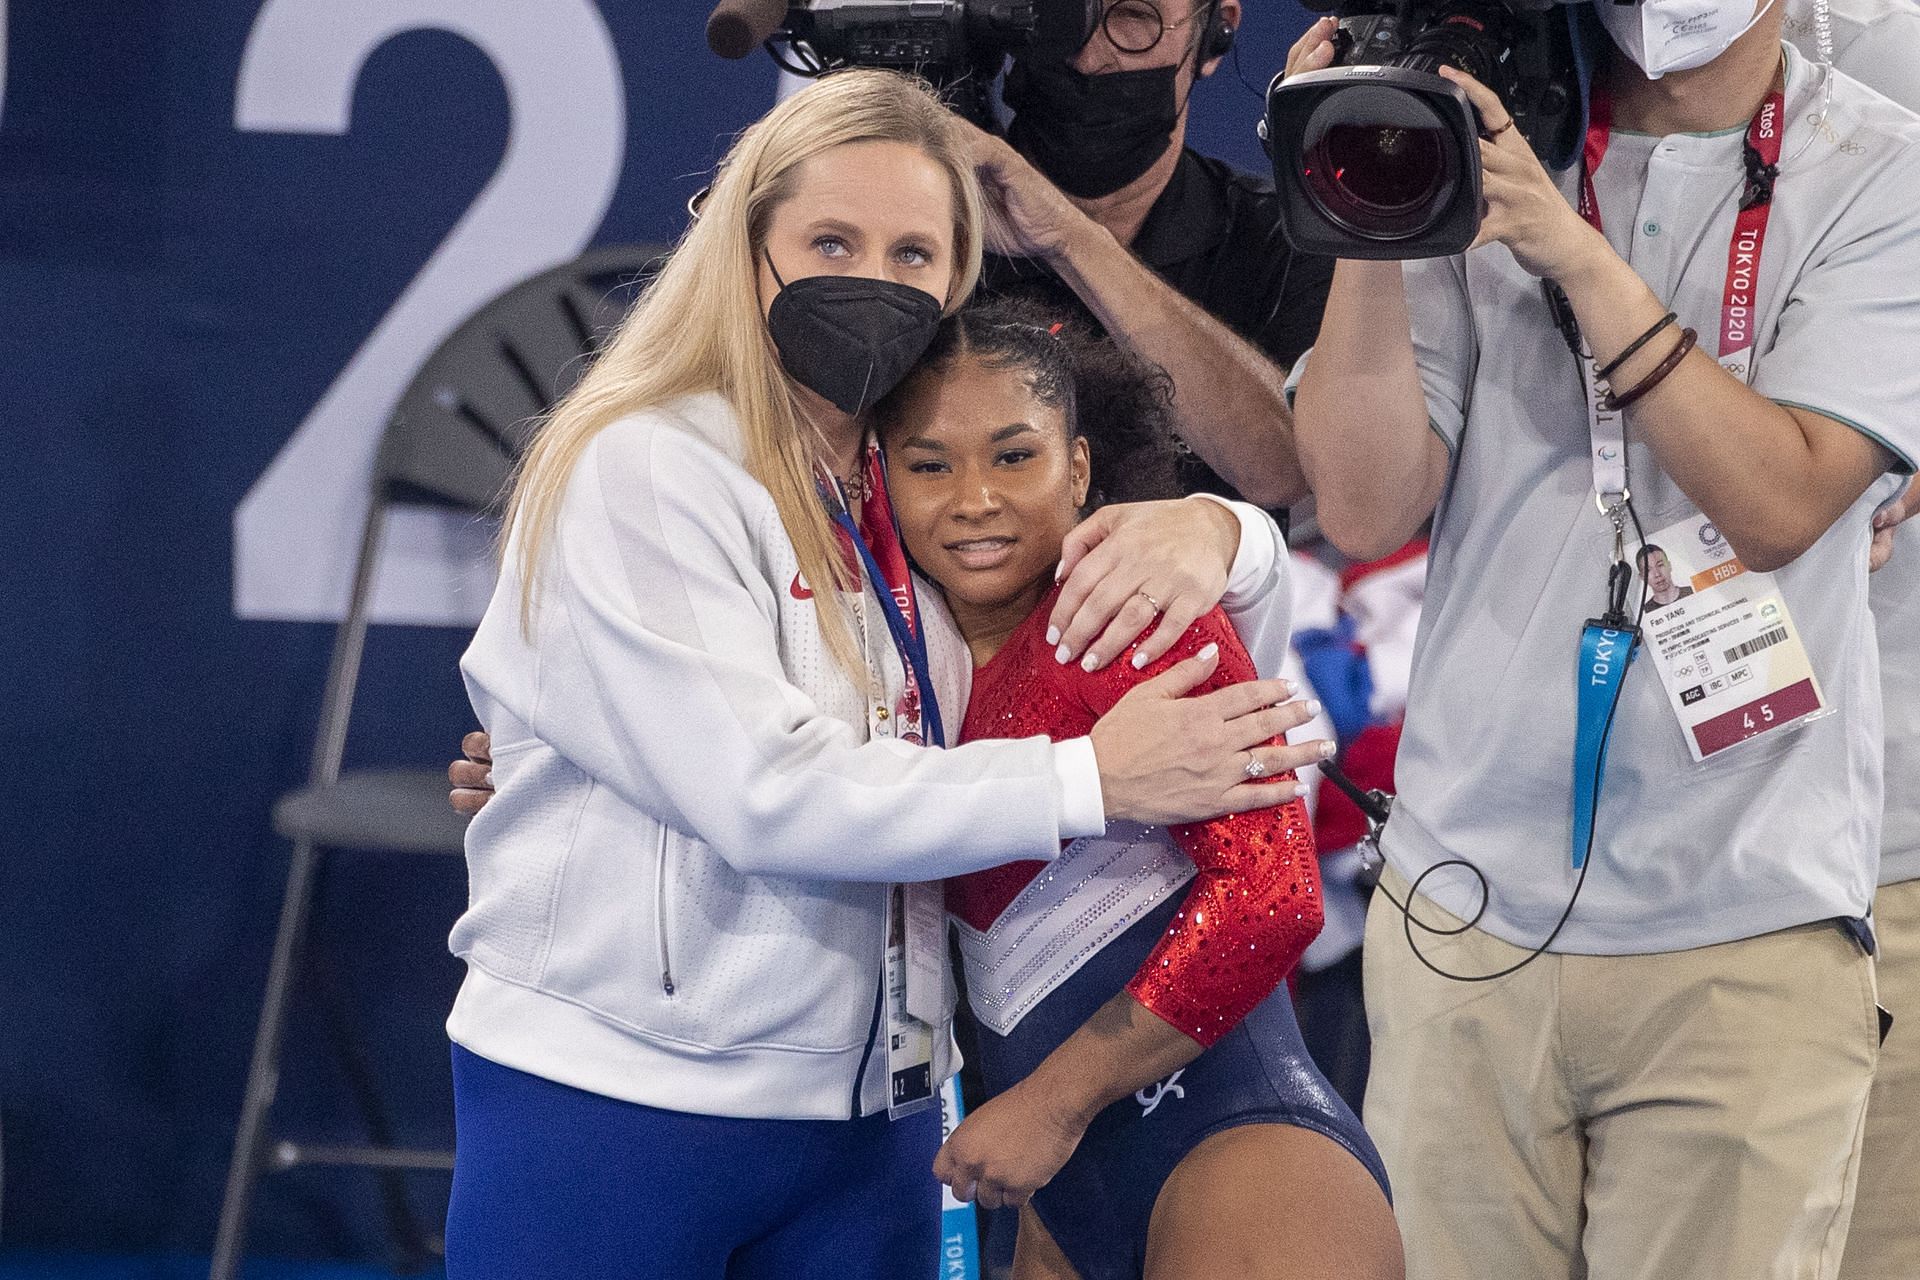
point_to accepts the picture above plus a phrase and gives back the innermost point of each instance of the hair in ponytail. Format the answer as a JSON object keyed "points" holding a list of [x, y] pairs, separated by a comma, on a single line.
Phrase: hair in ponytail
{"points": [[1122, 403]]}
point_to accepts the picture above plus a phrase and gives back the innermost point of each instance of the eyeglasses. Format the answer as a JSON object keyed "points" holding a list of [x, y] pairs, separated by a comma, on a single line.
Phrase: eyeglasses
{"points": [[1136, 26]]}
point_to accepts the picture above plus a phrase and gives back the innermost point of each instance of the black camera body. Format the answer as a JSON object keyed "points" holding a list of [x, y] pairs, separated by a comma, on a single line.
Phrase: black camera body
{"points": [[957, 45], [1378, 157]]}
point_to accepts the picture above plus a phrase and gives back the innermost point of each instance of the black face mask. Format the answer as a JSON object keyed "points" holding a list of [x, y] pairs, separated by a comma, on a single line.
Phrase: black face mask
{"points": [[1091, 134], [850, 338]]}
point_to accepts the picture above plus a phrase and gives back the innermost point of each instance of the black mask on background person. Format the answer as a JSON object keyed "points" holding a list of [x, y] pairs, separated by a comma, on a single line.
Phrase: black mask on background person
{"points": [[850, 338], [1091, 134]]}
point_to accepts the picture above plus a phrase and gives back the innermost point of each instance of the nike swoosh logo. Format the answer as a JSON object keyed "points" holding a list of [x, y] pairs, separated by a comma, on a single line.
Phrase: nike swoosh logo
{"points": [[799, 589]]}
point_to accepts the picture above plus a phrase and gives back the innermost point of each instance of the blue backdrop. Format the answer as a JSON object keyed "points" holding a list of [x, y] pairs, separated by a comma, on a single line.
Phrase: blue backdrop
{"points": [[227, 231]]}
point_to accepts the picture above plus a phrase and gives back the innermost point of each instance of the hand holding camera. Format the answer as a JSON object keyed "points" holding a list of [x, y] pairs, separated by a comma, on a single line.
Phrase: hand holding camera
{"points": [[1375, 147], [1314, 50], [1522, 207]]}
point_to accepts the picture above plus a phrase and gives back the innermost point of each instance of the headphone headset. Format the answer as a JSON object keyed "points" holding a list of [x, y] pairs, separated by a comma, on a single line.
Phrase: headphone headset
{"points": [[1216, 41]]}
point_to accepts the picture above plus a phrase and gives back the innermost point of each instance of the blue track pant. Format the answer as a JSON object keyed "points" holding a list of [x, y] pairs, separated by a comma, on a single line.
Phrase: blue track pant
{"points": [[552, 1181]]}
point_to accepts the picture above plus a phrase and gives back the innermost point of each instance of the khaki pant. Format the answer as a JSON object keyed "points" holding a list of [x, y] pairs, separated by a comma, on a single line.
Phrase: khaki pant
{"points": [[1885, 1241], [1694, 1115]]}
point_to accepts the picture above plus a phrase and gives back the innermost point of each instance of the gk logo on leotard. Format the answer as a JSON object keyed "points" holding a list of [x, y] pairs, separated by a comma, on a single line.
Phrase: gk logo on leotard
{"points": [[1171, 1085]]}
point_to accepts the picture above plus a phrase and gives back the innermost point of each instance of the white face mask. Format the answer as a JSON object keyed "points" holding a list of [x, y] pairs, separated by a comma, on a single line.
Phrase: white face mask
{"points": [[1676, 35]]}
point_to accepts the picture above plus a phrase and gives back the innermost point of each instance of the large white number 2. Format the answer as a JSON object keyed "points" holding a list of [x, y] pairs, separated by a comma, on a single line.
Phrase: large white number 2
{"points": [[296, 531]]}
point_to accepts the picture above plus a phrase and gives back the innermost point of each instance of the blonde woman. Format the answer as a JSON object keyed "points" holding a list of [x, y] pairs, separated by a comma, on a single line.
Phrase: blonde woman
{"points": [[706, 1004]]}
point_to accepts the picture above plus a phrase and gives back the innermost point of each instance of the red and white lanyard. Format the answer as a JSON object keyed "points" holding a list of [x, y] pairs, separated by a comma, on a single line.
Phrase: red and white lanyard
{"points": [[875, 544], [1749, 226], [1737, 305]]}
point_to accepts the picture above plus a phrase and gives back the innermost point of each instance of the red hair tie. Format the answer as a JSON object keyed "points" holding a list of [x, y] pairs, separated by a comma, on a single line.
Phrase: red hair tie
{"points": [[1053, 330]]}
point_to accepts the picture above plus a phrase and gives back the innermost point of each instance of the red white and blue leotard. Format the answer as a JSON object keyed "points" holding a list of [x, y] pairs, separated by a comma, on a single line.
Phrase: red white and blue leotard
{"points": [[1200, 923], [1254, 902]]}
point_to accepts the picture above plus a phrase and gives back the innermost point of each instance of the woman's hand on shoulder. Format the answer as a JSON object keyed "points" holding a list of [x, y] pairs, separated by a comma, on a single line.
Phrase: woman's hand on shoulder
{"points": [[1129, 564], [1167, 758]]}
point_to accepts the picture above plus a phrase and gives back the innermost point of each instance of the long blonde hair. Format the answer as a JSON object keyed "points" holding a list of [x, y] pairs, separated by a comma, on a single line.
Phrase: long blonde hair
{"points": [[698, 326]]}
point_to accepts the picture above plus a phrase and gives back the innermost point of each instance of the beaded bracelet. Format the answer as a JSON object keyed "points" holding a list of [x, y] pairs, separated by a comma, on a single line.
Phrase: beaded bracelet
{"points": [[1615, 401], [1636, 344]]}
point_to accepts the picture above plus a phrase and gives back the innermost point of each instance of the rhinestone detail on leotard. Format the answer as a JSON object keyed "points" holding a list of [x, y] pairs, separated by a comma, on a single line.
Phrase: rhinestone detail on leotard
{"points": [[1254, 902]]}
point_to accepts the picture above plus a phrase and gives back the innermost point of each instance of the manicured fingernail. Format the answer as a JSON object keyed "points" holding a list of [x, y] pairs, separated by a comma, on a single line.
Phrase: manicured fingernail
{"points": [[1300, 790], [489, 777], [1209, 653], [1313, 707], [1091, 662], [1326, 750], [1059, 570], [1053, 635], [1062, 655], [1139, 660]]}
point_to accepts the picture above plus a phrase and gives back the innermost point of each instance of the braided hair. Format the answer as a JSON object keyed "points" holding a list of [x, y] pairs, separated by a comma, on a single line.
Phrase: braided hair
{"points": [[1120, 402]]}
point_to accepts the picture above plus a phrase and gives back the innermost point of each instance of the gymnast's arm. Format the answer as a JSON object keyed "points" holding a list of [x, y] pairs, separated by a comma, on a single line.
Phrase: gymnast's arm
{"points": [[1255, 895]]}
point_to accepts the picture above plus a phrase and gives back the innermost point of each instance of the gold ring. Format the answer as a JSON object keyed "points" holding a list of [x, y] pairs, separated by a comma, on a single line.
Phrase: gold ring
{"points": [[1150, 600], [1502, 129]]}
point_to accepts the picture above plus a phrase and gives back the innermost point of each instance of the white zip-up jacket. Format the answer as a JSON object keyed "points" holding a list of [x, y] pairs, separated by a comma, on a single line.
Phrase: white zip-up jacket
{"points": [[678, 892]]}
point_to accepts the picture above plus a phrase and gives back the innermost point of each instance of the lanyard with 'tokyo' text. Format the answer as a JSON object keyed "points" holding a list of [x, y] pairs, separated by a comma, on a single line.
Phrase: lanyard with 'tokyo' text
{"points": [[1608, 643], [875, 540], [913, 976]]}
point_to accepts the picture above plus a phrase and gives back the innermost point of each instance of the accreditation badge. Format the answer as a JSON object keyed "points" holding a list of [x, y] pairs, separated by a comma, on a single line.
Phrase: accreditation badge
{"points": [[911, 1023], [1723, 641]]}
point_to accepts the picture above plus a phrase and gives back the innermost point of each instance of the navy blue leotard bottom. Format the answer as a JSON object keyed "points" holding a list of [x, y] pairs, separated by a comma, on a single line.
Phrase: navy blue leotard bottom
{"points": [[1098, 1206], [552, 1181]]}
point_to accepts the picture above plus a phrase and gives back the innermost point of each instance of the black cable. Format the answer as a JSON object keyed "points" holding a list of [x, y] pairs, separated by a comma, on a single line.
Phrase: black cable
{"points": [[1242, 75], [1407, 917], [1286, 276], [1375, 805], [784, 49]]}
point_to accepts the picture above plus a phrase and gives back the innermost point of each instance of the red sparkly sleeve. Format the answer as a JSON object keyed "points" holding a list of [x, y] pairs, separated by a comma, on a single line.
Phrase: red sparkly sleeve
{"points": [[1253, 905]]}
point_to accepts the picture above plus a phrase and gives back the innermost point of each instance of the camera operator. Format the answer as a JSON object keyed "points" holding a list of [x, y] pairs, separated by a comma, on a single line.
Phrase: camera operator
{"points": [[1104, 207], [1877, 42], [1675, 1086]]}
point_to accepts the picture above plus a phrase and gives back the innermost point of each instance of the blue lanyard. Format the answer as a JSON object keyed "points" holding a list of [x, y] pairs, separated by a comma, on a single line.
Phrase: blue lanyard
{"points": [[912, 645], [1606, 648]]}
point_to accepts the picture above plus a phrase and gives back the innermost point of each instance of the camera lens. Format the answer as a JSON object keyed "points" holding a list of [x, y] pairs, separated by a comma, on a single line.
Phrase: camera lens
{"points": [[1377, 162]]}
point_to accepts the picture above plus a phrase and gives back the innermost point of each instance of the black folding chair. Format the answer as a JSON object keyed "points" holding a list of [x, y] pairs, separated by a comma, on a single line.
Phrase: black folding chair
{"points": [[451, 443]]}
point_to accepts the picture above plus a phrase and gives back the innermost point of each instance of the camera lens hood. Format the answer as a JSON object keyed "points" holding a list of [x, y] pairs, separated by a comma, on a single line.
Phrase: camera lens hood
{"points": [[1374, 162]]}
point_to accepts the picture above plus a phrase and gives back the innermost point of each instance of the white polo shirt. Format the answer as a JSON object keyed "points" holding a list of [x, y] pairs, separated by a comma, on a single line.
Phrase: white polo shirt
{"points": [[1874, 41], [1877, 42], [1895, 596], [1772, 833]]}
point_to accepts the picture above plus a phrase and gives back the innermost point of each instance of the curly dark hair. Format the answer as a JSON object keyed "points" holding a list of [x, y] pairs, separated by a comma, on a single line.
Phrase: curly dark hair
{"points": [[1120, 402]]}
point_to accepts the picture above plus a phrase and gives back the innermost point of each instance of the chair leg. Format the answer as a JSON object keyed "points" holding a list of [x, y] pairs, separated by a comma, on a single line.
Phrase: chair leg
{"points": [[412, 1247], [263, 1075]]}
